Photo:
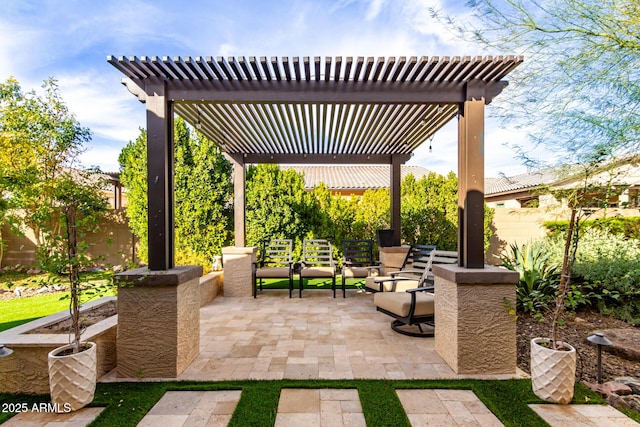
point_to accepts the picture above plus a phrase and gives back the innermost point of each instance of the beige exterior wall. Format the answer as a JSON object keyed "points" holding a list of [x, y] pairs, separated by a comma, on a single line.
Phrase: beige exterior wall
{"points": [[519, 226], [113, 246]]}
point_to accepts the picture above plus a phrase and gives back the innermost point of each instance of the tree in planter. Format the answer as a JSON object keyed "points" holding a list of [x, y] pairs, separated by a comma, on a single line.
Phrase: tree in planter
{"points": [[595, 178], [81, 206]]}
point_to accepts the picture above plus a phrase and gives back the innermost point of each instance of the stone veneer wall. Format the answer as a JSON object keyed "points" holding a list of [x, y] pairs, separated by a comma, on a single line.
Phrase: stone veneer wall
{"points": [[159, 321], [475, 334]]}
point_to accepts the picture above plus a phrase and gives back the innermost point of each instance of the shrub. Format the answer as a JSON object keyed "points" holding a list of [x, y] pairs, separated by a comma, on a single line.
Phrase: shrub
{"points": [[607, 272], [539, 276]]}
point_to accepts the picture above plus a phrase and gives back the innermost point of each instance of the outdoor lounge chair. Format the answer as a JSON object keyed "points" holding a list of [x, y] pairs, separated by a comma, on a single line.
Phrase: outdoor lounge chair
{"points": [[317, 263], [357, 262], [413, 267], [276, 262], [415, 307]]}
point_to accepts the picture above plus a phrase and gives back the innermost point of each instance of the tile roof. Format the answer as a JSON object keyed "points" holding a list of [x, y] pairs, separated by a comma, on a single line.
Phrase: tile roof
{"points": [[519, 182], [352, 177]]}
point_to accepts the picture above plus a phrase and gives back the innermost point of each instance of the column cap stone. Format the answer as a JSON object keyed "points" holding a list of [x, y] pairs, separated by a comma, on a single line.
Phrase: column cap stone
{"points": [[239, 250], [489, 275], [145, 277]]}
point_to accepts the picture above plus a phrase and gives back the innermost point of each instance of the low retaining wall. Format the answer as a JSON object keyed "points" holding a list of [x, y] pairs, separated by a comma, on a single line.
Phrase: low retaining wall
{"points": [[27, 371], [210, 287]]}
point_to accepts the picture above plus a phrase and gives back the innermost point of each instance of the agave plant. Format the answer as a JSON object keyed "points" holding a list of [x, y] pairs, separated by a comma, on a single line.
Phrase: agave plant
{"points": [[539, 276]]}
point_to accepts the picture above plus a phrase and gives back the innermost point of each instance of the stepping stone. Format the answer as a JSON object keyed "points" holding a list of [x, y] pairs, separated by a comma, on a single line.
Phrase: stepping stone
{"points": [[79, 418], [582, 415], [190, 408], [446, 408], [319, 407]]}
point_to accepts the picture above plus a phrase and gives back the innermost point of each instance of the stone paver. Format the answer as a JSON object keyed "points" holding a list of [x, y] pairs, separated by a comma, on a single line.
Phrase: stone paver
{"points": [[446, 408], [321, 408], [316, 337], [583, 416], [192, 408], [78, 418]]}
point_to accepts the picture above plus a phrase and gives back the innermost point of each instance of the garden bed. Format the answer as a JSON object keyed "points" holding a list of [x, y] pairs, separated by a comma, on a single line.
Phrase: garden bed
{"points": [[575, 330]]}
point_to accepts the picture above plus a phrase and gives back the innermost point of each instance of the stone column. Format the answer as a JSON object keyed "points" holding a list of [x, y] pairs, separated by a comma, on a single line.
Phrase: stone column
{"points": [[158, 321], [237, 264], [475, 333]]}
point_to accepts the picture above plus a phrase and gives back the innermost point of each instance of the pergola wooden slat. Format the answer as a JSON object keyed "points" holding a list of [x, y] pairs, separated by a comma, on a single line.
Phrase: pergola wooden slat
{"points": [[295, 110]]}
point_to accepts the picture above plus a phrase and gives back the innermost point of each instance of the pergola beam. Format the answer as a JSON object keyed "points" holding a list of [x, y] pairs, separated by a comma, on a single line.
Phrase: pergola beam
{"points": [[316, 158], [330, 92]]}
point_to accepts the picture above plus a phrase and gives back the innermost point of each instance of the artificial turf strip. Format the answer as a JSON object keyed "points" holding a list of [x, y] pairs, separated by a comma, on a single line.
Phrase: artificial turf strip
{"points": [[127, 403]]}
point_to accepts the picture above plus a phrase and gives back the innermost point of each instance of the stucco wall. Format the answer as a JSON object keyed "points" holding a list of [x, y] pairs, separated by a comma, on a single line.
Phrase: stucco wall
{"points": [[523, 225], [113, 246]]}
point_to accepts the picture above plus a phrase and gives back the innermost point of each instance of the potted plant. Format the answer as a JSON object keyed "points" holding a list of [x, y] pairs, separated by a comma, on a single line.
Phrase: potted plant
{"points": [[72, 368], [553, 361]]}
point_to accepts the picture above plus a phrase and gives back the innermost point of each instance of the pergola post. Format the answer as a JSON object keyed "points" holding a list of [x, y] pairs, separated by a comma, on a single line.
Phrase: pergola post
{"points": [[471, 178], [239, 203], [395, 193], [160, 161]]}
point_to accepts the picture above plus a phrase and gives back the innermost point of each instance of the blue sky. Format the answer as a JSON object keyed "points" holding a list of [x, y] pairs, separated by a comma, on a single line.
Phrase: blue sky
{"points": [[70, 40]]}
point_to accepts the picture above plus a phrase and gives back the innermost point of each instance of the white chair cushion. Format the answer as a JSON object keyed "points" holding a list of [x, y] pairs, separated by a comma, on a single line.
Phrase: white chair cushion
{"points": [[399, 303]]}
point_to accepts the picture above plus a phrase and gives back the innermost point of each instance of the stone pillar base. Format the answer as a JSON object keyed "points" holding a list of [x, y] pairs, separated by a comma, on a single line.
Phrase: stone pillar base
{"points": [[475, 333], [237, 263], [158, 321]]}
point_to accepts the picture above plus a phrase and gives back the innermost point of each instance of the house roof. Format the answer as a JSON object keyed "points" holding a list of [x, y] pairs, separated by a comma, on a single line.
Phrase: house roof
{"points": [[313, 110], [493, 186], [352, 177]]}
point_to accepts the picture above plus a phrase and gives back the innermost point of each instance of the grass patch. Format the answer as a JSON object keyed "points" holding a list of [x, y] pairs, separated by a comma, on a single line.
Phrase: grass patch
{"points": [[312, 283], [127, 403], [16, 311]]}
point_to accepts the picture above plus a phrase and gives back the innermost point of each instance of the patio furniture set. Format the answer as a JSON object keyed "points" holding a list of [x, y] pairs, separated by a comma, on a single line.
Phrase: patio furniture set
{"points": [[404, 292]]}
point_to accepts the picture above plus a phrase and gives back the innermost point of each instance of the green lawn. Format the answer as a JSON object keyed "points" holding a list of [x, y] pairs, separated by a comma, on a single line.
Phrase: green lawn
{"points": [[17, 311], [127, 403]]}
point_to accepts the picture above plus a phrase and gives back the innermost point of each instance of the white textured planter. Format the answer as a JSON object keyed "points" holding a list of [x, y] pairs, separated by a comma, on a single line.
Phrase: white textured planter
{"points": [[72, 378], [553, 372]]}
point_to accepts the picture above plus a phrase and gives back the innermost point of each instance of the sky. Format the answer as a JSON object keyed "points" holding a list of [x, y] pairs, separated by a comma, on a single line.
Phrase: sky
{"points": [[70, 40]]}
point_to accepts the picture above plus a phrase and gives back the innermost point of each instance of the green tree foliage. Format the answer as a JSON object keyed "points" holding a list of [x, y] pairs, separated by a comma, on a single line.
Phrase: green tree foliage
{"points": [[578, 91], [133, 176], [278, 207], [40, 139], [203, 191], [336, 217], [373, 213], [430, 210]]}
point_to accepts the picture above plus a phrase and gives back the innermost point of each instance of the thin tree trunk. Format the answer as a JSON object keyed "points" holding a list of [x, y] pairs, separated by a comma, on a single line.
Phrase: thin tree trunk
{"points": [[74, 279], [565, 277]]}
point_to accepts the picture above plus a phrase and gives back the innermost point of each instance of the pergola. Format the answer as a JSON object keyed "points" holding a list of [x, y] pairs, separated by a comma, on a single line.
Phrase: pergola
{"points": [[320, 111]]}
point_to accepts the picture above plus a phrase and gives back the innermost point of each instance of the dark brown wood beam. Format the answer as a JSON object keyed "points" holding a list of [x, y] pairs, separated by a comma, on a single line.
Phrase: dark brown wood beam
{"points": [[160, 177]]}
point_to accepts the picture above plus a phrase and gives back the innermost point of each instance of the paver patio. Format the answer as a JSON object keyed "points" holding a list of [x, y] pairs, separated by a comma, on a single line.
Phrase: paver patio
{"points": [[316, 337]]}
